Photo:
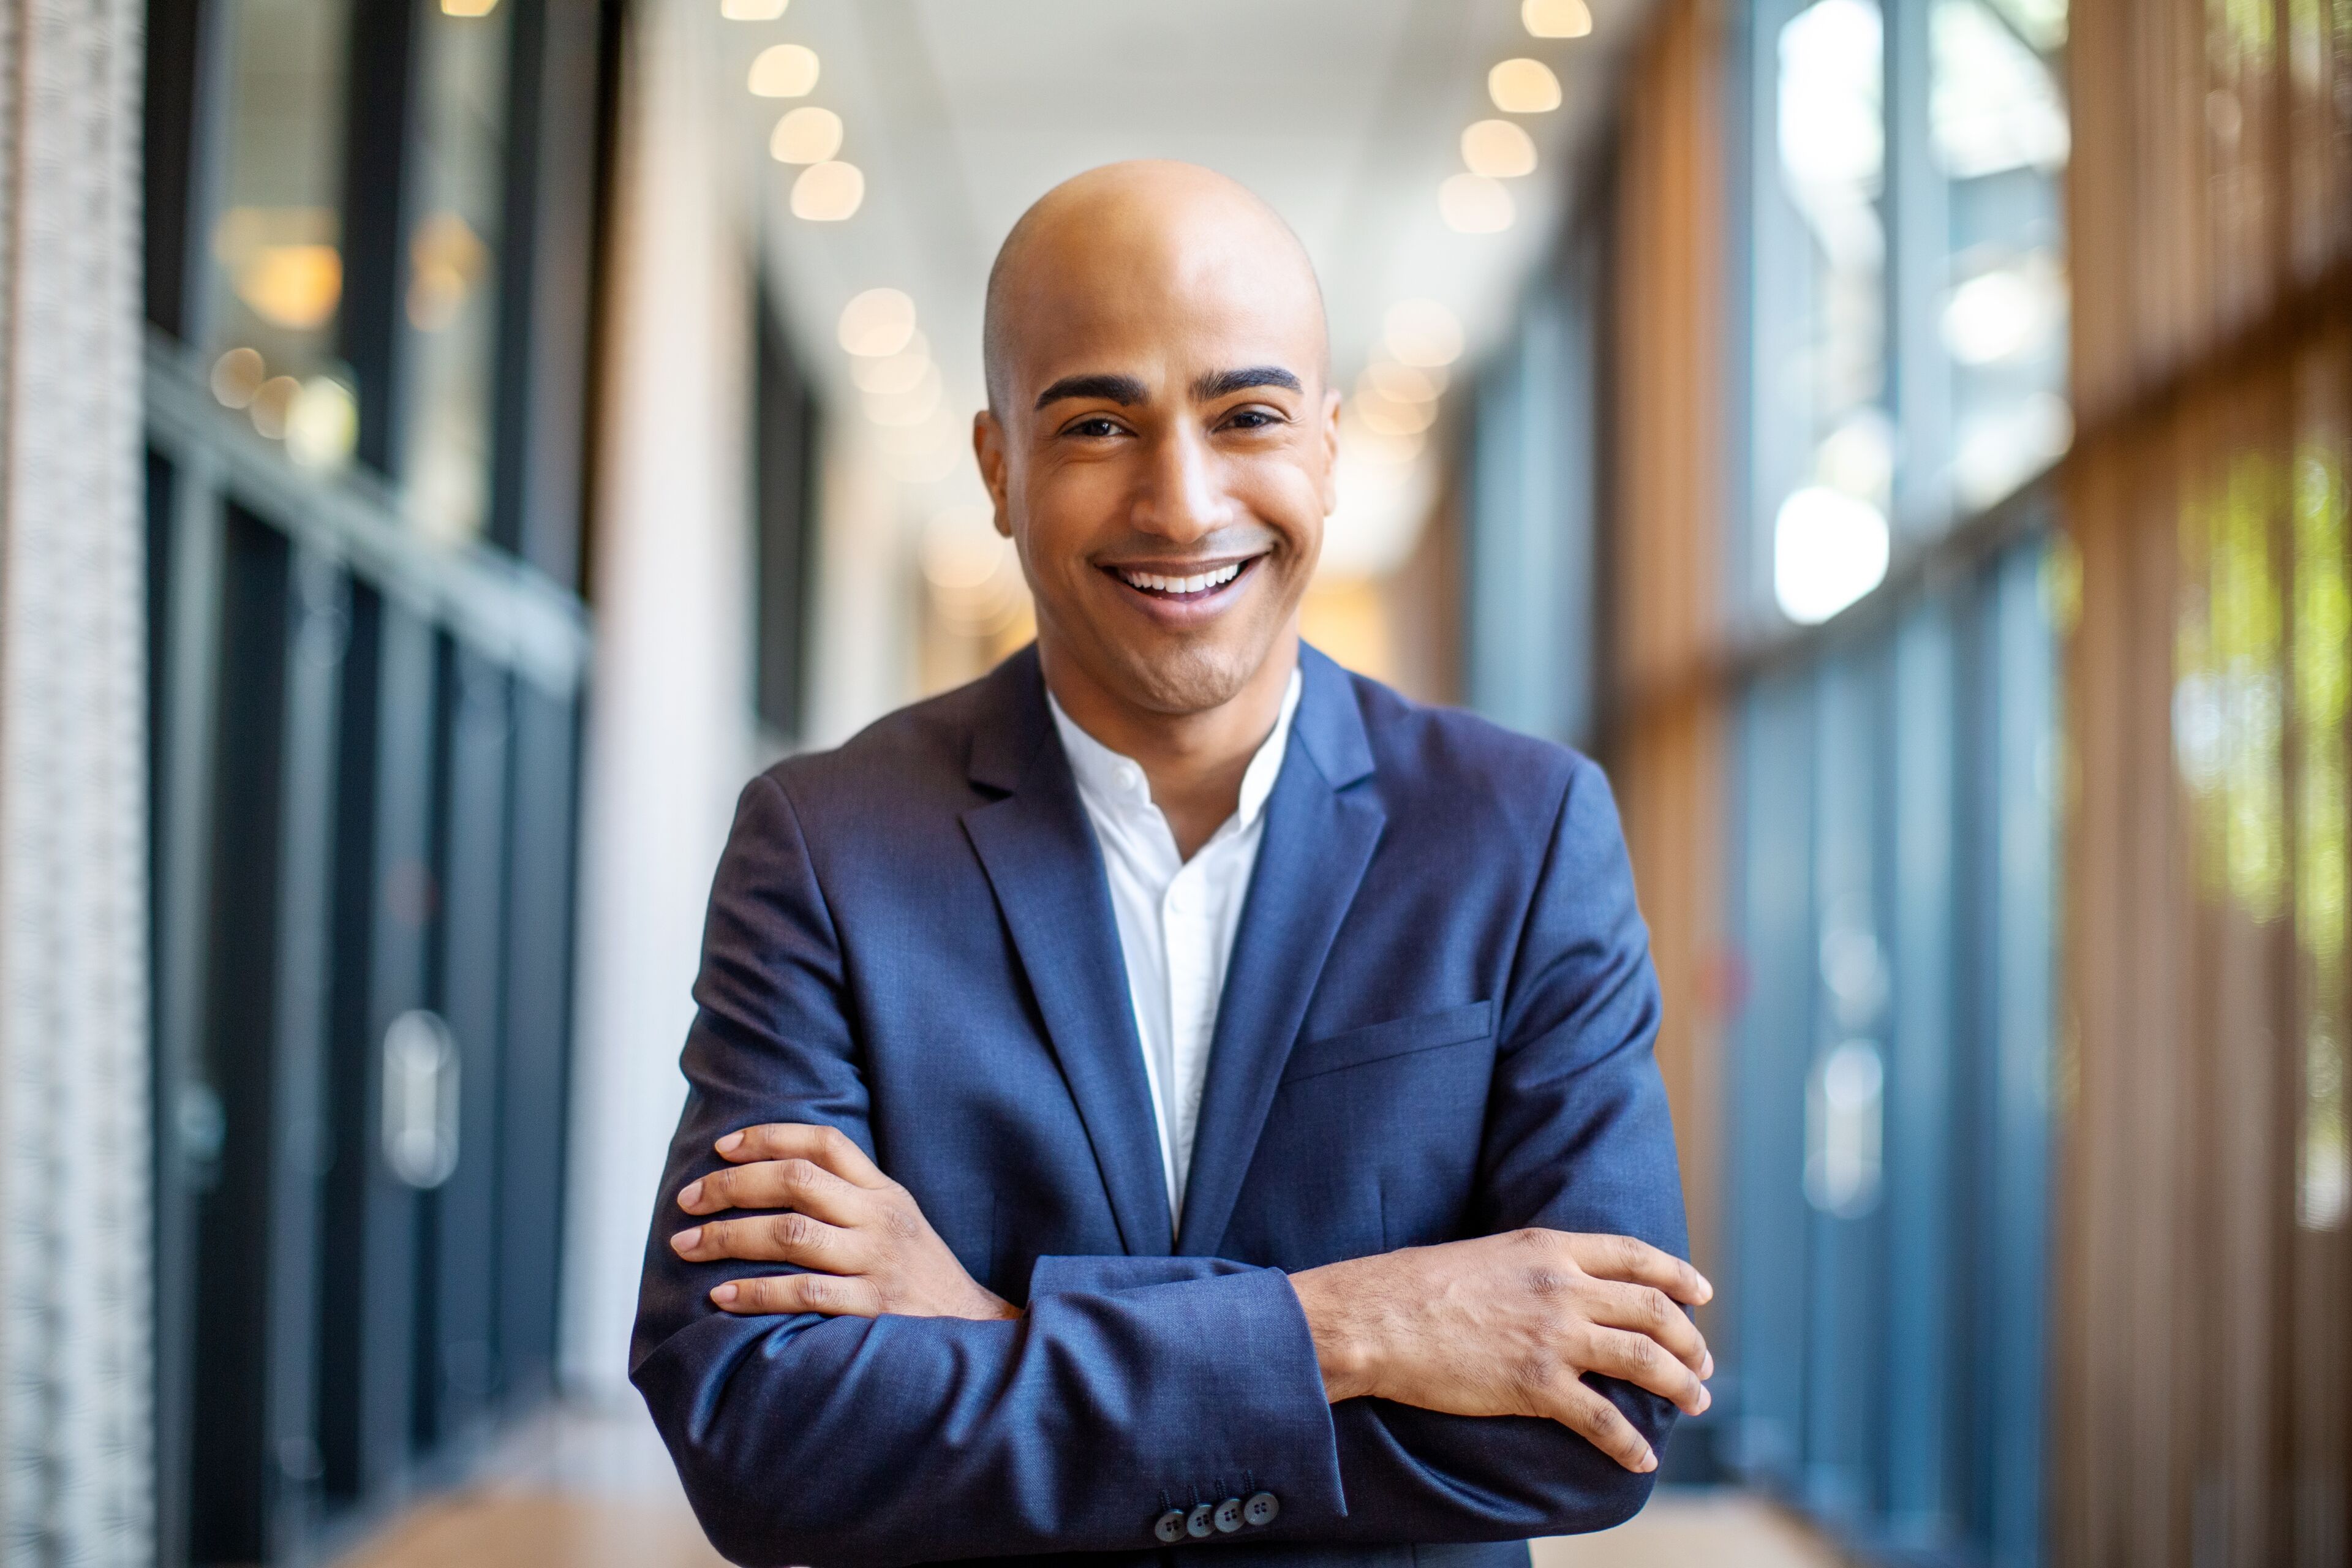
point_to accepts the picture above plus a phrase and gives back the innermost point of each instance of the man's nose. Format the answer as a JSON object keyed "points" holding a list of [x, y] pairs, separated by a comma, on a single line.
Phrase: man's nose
{"points": [[1183, 501]]}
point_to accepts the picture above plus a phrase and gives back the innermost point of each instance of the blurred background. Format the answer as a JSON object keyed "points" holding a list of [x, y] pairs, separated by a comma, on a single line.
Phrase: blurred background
{"points": [[446, 446]]}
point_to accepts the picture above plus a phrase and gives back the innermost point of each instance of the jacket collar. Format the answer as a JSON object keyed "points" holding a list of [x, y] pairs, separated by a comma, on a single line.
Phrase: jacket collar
{"points": [[1011, 721]]}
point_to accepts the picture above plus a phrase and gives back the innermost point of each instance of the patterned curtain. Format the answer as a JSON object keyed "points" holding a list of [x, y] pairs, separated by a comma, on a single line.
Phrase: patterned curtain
{"points": [[75, 1432], [2203, 1325]]}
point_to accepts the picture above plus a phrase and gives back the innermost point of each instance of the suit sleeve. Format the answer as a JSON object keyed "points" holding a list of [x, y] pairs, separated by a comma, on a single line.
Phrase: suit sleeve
{"points": [[1577, 1138], [857, 1441]]}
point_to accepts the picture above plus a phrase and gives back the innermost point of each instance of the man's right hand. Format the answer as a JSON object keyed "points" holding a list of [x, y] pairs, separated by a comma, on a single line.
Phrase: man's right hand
{"points": [[1509, 1325]]}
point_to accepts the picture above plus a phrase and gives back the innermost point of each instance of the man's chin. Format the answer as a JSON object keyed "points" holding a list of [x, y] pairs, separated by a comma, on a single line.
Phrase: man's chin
{"points": [[1184, 680]]}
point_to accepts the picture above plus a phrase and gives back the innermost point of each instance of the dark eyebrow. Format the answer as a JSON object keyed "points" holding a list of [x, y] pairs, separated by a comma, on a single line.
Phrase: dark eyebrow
{"points": [[1124, 390], [1209, 388]]}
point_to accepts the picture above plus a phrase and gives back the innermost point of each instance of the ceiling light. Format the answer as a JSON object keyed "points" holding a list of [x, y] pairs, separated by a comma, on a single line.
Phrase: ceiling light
{"points": [[925, 453], [896, 374], [469, 8], [961, 548], [1523, 86], [1473, 203], [805, 136], [752, 10], [1378, 449], [323, 425], [913, 406], [1423, 332], [296, 286], [877, 323], [1387, 418], [1556, 19], [1828, 549], [272, 403], [237, 376], [828, 192], [1499, 149], [925, 465], [783, 70], [1401, 382]]}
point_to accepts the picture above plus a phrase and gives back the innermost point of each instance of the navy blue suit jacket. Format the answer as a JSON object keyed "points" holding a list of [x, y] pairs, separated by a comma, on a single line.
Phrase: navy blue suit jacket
{"points": [[1437, 1024]]}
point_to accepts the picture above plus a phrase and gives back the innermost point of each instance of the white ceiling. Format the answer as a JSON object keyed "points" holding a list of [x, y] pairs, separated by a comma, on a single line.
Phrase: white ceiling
{"points": [[1345, 114]]}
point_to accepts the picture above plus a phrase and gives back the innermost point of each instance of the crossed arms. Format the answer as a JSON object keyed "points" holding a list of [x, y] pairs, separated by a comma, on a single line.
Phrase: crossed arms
{"points": [[879, 1406], [1503, 1325]]}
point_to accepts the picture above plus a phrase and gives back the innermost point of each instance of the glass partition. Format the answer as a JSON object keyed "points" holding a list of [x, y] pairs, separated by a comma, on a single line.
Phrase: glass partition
{"points": [[276, 291], [454, 236]]}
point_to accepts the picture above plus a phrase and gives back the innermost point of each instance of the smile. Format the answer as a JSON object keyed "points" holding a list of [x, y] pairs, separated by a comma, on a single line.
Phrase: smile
{"points": [[1196, 585]]}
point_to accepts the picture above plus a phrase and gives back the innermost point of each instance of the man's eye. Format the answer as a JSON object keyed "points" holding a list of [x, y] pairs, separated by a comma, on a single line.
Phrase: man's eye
{"points": [[1094, 427], [1251, 420]]}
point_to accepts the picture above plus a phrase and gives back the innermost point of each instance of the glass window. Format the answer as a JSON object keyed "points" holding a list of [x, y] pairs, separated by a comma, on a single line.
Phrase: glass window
{"points": [[460, 159], [276, 251], [1829, 538], [1999, 130], [1910, 293]]}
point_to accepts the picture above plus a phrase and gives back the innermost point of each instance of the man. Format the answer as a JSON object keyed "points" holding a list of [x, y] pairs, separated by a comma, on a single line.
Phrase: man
{"points": [[1170, 1093]]}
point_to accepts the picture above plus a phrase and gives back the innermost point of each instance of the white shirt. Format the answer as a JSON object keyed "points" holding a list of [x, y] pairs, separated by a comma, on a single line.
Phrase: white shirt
{"points": [[1176, 918]]}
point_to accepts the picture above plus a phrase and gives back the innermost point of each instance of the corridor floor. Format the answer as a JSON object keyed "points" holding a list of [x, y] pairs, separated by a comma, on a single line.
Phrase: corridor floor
{"points": [[593, 1488]]}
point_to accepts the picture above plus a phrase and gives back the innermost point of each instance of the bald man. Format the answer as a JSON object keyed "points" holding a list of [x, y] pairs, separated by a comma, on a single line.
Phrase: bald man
{"points": [[1172, 1096]]}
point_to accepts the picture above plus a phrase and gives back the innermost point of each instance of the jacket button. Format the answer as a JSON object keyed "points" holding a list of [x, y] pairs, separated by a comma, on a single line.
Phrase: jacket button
{"points": [[1228, 1517], [1170, 1526], [1261, 1508], [1197, 1525]]}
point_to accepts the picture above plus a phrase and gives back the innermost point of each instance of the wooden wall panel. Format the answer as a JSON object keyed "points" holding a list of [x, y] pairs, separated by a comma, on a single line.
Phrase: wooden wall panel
{"points": [[1662, 713], [2204, 1296], [2203, 1336], [2210, 185]]}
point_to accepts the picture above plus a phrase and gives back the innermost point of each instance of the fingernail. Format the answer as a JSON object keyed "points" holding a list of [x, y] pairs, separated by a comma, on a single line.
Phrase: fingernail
{"points": [[1705, 1398], [732, 1142], [1649, 1461], [692, 1196], [723, 1294], [1708, 1369], [684, 1239]]}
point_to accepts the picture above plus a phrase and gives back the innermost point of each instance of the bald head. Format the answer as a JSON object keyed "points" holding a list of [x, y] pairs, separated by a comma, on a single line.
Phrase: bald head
{"points": [[1146, 235], [1159, 444]]}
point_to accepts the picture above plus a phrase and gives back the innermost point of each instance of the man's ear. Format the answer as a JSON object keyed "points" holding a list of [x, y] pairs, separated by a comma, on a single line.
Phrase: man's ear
{"points": [[1330, 485], [988, 446]]}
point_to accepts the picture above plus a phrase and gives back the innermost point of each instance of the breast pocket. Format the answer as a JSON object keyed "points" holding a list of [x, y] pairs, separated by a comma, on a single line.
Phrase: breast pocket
{"points": [[1396, 1038]]}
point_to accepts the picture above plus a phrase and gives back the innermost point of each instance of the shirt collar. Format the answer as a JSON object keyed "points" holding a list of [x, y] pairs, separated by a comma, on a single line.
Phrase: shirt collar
{"points": [[1118, 781]]}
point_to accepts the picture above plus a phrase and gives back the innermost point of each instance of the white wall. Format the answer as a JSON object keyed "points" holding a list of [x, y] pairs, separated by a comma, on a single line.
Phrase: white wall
{"points": [[670, 737], [865, 594]]}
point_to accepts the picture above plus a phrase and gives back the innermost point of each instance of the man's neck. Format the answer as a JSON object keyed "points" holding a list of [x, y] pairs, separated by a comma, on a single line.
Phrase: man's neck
{"points": [[1194, 761]]}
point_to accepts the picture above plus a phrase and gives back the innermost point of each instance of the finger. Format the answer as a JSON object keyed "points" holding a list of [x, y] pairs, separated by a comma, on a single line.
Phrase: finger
{"points": [[1646, 1310], [799, 1185], [1641, 1361], [772, 1238], [1632, 1261], [789, 1293], [827, 1146], [1583, 1410]]}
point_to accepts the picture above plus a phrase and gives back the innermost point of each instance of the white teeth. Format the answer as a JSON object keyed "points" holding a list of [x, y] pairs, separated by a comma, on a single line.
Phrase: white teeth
{"points": [[1201, 583]]}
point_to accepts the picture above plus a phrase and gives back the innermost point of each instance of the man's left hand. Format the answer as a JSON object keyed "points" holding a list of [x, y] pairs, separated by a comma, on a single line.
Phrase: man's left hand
{"points": [[861, 1235]]}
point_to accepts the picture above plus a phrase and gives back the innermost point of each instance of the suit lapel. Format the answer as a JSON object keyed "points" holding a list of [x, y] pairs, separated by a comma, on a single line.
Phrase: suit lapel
{"points": [[1046, 868], [1320, 836]]}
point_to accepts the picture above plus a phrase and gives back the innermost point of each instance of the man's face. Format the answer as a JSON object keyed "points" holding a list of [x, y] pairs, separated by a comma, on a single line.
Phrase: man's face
{"points": [[1162, 457]]}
